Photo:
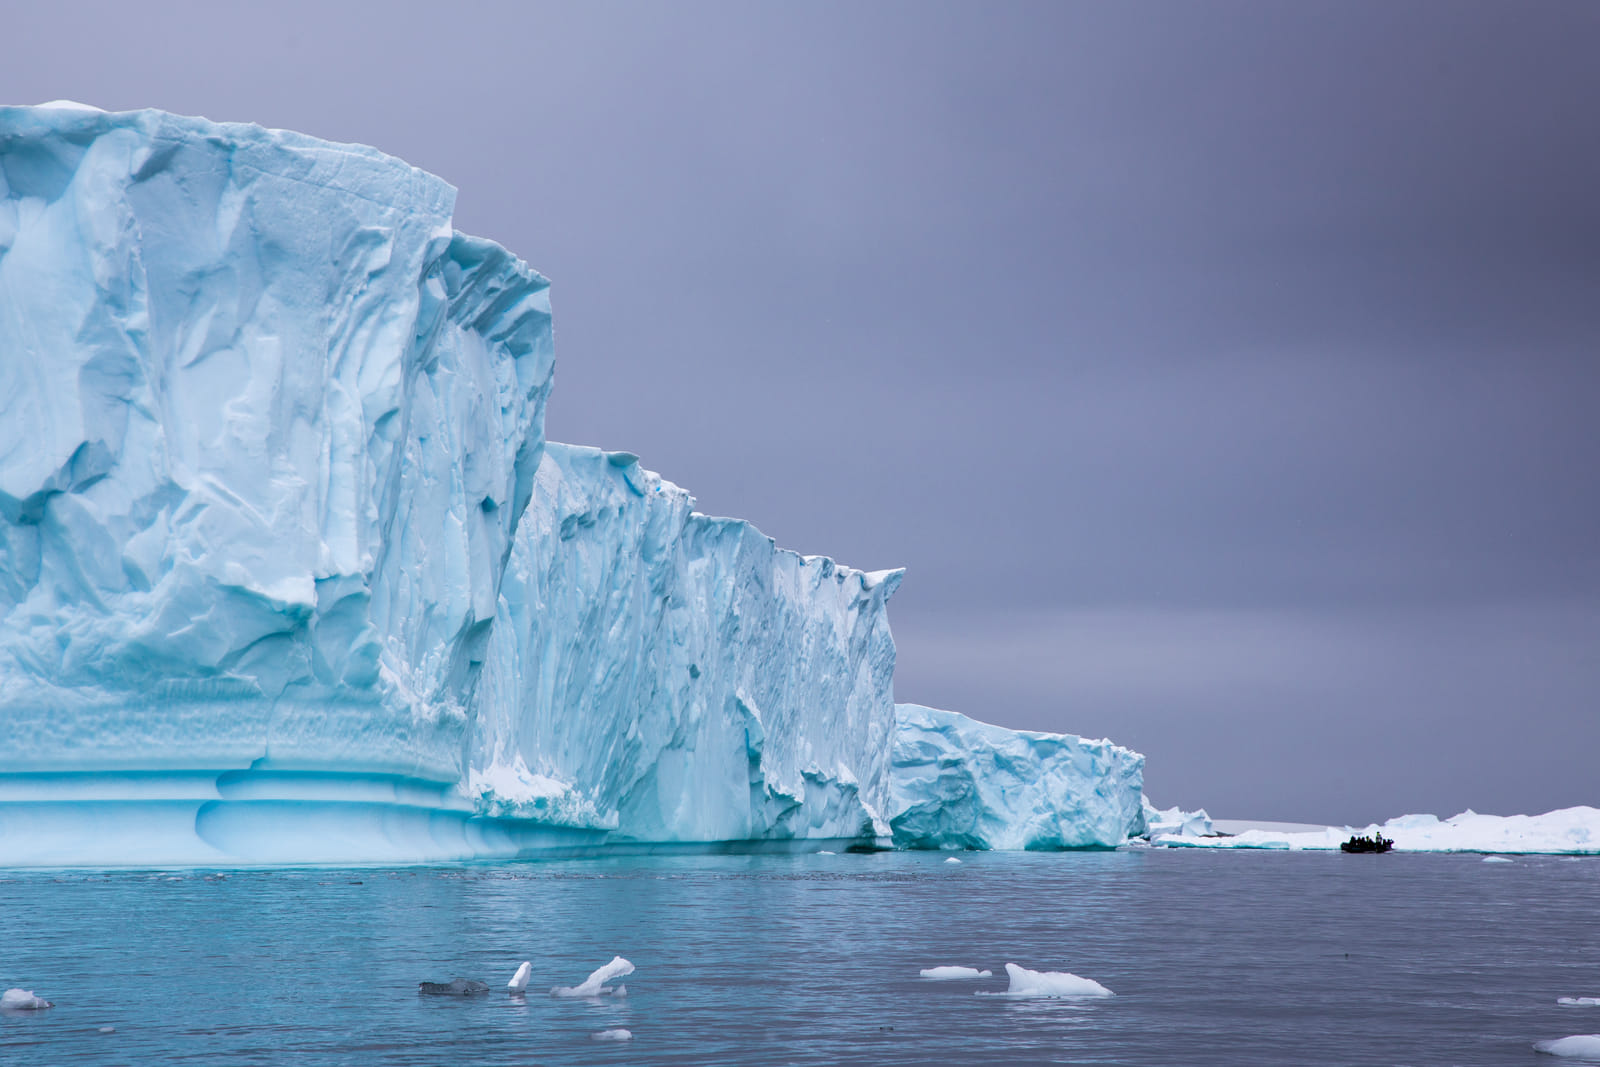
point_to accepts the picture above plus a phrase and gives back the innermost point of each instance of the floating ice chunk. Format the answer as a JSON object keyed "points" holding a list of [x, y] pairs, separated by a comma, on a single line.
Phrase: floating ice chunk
{"points": [[952, 859], [825, 852], [1578, 1047], [1579, 1002], [1496, 859], [22, 1000], [595, 984], [1026, 983], [519, 981], [618, 1034], [945, 973]]}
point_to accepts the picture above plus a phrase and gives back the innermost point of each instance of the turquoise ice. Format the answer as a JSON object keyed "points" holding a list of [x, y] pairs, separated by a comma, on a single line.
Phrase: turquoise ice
{"points": [[288, 572]]}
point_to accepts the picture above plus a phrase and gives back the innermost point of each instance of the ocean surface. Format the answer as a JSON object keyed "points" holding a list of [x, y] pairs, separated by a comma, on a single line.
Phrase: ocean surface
{"points": [[1231, 958]]}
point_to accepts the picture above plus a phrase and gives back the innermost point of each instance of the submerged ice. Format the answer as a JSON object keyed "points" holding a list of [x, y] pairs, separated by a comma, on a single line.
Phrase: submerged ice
{"points": [[288, 572]]}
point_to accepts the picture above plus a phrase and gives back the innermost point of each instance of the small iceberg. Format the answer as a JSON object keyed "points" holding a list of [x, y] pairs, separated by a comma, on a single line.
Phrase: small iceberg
{"points": [[1578, 1047], [22, 1000], [460, 987], [1026, 983], [618, 1034], [519, 981], [1579, 1002], [595, 984], [947, 973], [1497, 859], [952, 859]]}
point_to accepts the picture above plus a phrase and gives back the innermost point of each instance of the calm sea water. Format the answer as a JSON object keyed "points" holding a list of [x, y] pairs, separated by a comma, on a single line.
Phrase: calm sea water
{"points": [[1239, 958]]}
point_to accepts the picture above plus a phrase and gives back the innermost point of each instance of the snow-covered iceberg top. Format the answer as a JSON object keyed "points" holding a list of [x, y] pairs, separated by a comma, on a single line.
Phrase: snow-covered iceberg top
{"points": [[1574, 831], [960, 783]]}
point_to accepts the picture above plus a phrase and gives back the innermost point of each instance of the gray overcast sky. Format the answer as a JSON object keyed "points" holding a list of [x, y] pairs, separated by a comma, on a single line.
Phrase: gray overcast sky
{"points": [[1226, 375]]}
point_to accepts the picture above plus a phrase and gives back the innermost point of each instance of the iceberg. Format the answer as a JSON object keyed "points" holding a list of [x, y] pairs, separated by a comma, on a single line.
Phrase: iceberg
{"points": [[1568, 831], [1162, 822], [290, 574], [960, 783]]}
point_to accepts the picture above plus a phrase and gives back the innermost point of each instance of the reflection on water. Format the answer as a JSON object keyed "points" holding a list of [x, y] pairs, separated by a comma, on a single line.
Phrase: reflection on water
{"points": [[1260, 958]]}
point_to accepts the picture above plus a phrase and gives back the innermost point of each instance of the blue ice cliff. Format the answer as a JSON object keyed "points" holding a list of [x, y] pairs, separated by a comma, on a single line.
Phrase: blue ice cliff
{"points": [[289, 574]]}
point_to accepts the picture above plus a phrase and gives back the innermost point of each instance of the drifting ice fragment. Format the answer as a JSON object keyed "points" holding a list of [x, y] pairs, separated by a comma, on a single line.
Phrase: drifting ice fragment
{"points": [[595, 984], [618, 1034], [1579, 1002], [1578, 1046], [1496, 859], [955, 972], [23, 1000], [952, 859], [519, 981], [1026, 983]]}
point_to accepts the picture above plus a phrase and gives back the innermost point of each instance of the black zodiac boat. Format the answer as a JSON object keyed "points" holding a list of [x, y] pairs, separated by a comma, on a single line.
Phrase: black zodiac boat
{"points": [[1376, 843]]}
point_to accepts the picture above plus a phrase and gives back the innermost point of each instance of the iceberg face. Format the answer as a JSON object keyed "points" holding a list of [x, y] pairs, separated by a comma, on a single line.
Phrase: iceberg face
{"points": [[678, 677], [959, 783], [266, 428]]}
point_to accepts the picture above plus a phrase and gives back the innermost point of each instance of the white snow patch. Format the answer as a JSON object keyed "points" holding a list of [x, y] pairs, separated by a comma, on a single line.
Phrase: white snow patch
{"points": [[70, 105], [22, 1000], [1578, 1046], [519, 981], [1026, 983], [944, 973], [618, 1034], [1579, 1002], [595, 984]]}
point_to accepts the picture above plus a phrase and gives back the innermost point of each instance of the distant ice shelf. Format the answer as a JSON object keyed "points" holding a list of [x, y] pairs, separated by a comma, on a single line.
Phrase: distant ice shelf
{"points": [[289, 573], [1569, 831]]}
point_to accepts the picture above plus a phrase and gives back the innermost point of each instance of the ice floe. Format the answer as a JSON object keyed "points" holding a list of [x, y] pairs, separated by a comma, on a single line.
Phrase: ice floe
{"points": [[1578, 1047], [945, 973], [618, 1034], [1026, 983], [1570, 831], [952, 859], [1579, 1002], [519, 981], [22, 1000], [595, 984]]}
